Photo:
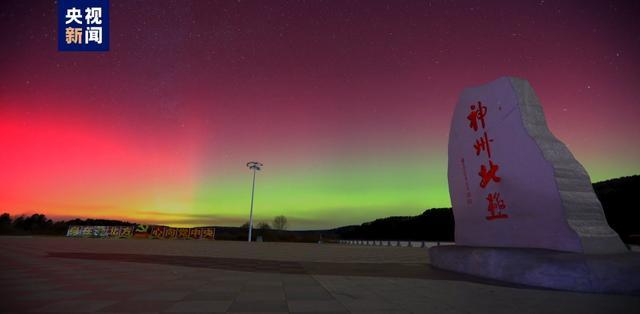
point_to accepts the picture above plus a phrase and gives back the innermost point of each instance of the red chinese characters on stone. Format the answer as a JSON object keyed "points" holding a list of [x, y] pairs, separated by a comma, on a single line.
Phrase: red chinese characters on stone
{"points": [[483, 144], [488, 176], [496, 204], [477, 114], [476, 119]]}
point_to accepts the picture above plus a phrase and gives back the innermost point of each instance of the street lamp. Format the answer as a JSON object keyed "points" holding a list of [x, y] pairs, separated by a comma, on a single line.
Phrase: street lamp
{"points": [[255, 166]]}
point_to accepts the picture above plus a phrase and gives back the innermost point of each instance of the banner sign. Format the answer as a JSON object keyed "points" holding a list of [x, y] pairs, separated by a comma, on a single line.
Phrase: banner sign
{"points": [[162, 232], [100, 231], [141, 231]]}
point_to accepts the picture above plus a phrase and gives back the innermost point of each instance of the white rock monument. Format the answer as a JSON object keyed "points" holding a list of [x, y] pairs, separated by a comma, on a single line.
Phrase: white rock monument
{"points": [[513, 183]]}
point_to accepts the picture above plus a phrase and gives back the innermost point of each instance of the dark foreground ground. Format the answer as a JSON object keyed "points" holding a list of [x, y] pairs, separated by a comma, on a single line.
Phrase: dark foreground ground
{"points": [[54, 274]]}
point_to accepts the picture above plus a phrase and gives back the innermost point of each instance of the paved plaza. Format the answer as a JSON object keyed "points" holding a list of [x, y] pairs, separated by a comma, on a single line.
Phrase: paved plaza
{"points": [[57, 274]]}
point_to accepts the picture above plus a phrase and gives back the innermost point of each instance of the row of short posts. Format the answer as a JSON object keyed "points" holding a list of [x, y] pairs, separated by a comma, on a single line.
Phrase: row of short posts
{"points": [[421, 244]]}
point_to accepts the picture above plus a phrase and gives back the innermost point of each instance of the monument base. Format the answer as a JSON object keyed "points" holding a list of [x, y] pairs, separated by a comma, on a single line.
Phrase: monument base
{"points": [[611, 273]]}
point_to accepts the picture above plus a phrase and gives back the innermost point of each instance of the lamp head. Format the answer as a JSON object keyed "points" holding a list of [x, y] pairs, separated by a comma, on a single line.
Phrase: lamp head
{"points": [[255, 165]]}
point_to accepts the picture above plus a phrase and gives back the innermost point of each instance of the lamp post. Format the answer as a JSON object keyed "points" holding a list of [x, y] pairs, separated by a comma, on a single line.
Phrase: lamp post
{"points": [[255, 166]]}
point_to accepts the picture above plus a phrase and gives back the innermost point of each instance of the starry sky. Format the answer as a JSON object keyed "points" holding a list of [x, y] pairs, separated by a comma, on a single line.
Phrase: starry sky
{"points": [[347, 103]]}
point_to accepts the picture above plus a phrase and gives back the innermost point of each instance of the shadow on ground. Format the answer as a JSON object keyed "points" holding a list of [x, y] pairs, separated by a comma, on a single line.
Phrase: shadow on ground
{"points": [[396, 270]]}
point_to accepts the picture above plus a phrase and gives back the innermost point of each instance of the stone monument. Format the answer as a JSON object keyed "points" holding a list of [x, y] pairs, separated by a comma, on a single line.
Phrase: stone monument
{"points": [[524, 207]]}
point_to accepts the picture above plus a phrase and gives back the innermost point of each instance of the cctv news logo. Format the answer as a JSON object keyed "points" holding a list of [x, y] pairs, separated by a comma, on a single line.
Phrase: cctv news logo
{"points": [[83, 25]]}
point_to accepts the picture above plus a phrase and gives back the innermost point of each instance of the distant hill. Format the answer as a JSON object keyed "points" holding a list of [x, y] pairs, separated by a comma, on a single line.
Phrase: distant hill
{"points": [[435, 224], [618, 198]]}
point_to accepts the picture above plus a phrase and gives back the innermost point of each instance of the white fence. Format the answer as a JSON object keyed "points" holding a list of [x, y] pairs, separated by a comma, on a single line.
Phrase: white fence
{"points": [[424, 244]]}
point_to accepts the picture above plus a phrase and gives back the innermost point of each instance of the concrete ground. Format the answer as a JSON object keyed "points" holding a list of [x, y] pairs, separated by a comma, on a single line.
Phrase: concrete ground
{"points": [[56, 274]]}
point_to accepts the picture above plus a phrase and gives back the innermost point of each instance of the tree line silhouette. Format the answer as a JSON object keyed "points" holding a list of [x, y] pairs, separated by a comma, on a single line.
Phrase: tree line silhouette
{"points": [[39, 224], [618, 198]]}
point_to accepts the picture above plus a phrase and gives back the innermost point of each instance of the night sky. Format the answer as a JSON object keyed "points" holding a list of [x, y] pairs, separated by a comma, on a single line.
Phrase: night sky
{"points": [[347, 103]]}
